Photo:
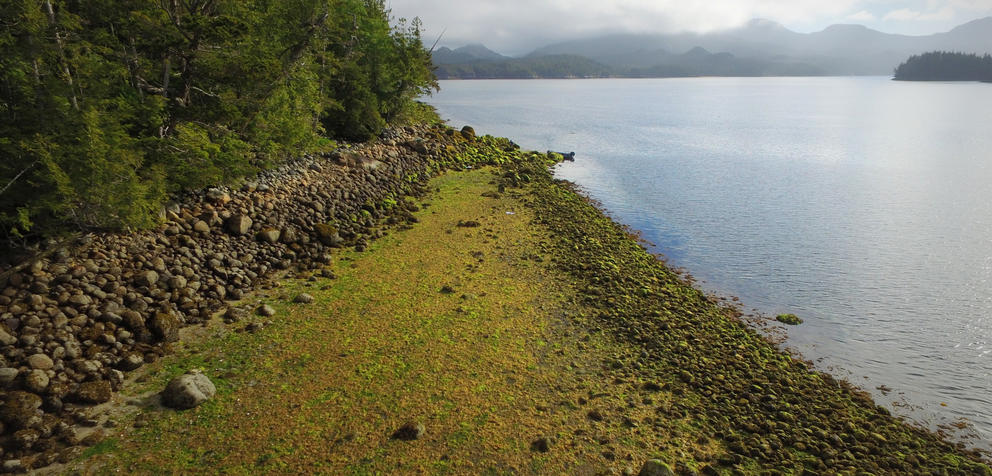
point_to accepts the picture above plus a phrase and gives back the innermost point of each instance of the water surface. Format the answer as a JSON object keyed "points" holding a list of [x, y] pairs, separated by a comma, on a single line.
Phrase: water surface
{"points": [[861, 204]]}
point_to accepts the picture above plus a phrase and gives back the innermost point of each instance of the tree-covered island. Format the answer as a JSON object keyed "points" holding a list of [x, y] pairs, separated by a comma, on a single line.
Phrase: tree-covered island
{"points": [[945, 66]]}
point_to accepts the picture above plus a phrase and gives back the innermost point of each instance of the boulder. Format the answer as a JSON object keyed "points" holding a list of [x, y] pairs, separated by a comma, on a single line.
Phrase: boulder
{"points": [[410, 430], [40, 361], [328, 235], [36, 381], [468, 133], [238, 225], [655, 468], [20, 409], [146, 278], [201, 226], [268, 235], [7, 375], [188, 390], [303, 298], [265, 310], [165, 326]]}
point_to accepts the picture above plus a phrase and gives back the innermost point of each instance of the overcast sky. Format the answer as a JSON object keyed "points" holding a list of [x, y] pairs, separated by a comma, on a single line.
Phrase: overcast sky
{"points": [[518, 26]]}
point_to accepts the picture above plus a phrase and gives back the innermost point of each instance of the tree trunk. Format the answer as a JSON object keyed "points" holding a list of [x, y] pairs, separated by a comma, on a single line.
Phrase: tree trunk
{"points": [[62, 58]]}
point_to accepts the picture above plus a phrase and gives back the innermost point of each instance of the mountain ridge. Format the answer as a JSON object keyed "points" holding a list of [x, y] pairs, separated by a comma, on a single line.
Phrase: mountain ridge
{"points": [[760, 48]]}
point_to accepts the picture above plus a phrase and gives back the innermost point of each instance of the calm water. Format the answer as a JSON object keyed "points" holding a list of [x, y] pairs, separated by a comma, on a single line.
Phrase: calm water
{"points": [[861, 204]]}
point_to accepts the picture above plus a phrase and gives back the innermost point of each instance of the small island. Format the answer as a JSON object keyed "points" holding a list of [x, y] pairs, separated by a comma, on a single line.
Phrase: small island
{"points": [[945, 66]]}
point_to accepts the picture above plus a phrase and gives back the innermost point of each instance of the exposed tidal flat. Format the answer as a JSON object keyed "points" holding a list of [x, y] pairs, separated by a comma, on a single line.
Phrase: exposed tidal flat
{"points": [[858, 204], [506, 327]]}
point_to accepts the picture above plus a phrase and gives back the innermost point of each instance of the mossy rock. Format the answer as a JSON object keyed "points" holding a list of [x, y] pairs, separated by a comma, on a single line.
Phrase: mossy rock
{"points": [[790, 319]]}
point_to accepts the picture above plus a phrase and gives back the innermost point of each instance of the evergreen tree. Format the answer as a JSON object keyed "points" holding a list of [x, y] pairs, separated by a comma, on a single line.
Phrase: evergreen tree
{"points": [[106, 106]]}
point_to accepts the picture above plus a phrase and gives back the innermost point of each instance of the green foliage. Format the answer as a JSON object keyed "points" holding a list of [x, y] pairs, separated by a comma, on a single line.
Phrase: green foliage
{"points": [[106, 106], [946, 66]]}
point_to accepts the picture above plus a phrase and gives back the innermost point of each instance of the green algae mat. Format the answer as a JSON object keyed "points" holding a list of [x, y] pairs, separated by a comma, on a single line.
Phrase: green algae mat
{"points": [[507, 333]]}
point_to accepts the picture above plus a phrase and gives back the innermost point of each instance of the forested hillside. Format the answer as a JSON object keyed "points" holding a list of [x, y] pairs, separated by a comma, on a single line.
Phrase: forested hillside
{"points": [[946, 66], [106, 106]]}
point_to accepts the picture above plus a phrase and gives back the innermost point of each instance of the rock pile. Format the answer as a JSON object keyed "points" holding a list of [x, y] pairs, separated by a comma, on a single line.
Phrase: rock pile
{"points": [[72, 323]]}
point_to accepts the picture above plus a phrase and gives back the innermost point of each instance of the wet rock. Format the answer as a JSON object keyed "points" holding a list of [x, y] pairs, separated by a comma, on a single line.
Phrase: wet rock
{"points": [[40, 361], [165, 326], [410, 430], [238, 225], [188, 390], [655, 468], [97, 391], [303, 298], [790, 319]]}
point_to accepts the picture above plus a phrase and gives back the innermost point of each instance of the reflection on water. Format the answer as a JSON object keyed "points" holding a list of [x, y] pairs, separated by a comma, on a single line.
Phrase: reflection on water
{"points": [[860, 204]]}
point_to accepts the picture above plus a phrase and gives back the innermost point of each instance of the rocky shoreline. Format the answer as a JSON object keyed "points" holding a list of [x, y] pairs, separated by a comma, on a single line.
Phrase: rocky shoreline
{"points": [[723, 399], [74, 321]]}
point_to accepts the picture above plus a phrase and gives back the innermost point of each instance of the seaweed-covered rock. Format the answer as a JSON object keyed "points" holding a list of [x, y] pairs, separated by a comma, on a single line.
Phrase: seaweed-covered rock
{"points": [[790, 319]]}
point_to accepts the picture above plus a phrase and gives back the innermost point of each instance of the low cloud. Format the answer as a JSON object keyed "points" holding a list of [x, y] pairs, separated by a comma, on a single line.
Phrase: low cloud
{"points": [[518, 26]]}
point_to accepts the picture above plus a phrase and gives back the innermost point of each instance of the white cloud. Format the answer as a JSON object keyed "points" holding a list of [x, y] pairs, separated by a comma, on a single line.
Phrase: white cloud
{"points": [[905, 14], [516, 26], [863, 15]]}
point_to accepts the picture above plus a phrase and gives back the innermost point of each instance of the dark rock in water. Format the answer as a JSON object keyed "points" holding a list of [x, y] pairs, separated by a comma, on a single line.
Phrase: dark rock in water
{"points": [[265, 310], [188, 390], [165, 326], [303, 298], [655, 468], [542, 445], [19, 409], [97, 391], [238, 224], [409, 431], [790, 319]]}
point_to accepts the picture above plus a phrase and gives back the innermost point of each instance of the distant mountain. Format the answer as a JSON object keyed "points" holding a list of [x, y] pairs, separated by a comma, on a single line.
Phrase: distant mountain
{"points": [[757, 48], [550, 66], [837, 50], [466, 54]]}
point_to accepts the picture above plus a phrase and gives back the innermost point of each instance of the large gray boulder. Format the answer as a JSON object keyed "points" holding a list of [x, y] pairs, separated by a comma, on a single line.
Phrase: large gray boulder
{"points": [[188, 390]]}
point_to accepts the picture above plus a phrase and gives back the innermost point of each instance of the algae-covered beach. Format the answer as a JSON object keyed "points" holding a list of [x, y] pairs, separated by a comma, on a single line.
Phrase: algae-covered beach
{"points": [[504, 325]]}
